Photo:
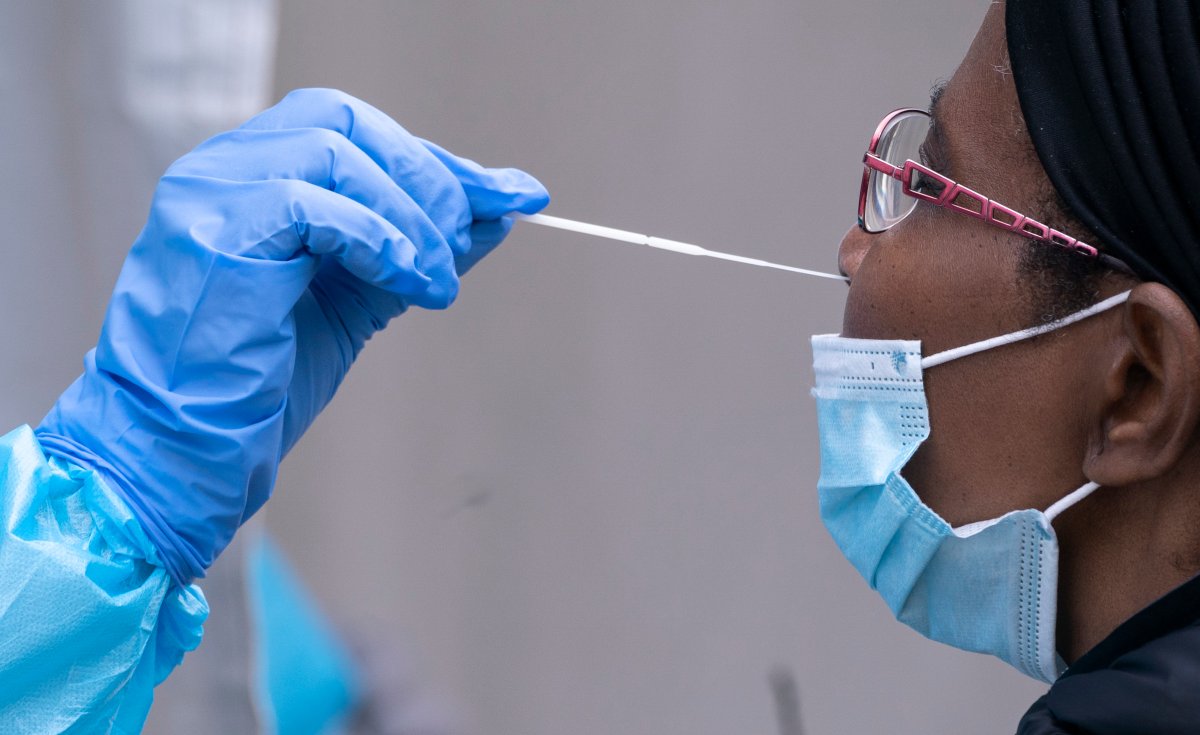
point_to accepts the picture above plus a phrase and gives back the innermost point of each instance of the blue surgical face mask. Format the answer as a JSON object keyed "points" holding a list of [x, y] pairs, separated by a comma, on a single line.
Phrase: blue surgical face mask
{"points": [[991, 586]]}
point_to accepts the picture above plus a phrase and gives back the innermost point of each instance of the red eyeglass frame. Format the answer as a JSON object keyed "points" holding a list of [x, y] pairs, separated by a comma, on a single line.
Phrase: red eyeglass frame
{"points": [[988, 211]]}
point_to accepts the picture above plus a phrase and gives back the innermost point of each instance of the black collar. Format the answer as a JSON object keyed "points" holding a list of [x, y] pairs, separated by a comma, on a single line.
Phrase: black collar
{"points": [[1177, 609]]}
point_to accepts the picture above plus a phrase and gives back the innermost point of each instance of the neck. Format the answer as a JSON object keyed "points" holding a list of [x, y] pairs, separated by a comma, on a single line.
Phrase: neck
{"points": [[1118, 554]]}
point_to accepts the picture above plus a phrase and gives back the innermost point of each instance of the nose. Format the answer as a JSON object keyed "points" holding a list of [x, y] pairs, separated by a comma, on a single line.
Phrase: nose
{"points": [[854, 247]]}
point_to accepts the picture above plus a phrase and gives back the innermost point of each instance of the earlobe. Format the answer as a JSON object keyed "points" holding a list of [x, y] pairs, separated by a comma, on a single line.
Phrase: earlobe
{"points": [[1151, 404]]}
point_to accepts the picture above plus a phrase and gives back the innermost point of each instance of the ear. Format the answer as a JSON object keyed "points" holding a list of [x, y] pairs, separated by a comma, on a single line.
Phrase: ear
{"points": [[1151, 399]]}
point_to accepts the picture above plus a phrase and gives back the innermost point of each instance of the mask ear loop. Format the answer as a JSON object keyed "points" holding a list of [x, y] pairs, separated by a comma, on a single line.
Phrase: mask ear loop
{"points": [[1054, 510], [987, 344], [943, 357]]}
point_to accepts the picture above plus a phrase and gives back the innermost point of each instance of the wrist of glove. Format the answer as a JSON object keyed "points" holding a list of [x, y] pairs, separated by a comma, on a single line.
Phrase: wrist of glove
{"points": [[271, 255]]}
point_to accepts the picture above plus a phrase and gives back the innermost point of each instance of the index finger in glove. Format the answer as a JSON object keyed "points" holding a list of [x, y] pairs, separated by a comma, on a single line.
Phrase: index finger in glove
{"points": [[320, 157], [400, 154], [279, 217], [493, 192]]}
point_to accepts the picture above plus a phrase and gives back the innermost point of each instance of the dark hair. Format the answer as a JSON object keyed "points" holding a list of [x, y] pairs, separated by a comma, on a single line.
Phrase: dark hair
{"points": [[1059, 281]]}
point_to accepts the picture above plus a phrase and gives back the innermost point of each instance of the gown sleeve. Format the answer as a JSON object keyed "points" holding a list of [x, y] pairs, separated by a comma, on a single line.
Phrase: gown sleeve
{"points": [[90, 621]]}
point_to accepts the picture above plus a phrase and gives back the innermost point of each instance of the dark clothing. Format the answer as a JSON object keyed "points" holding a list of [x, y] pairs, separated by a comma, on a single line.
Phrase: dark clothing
{"points": [[1143, 679]]}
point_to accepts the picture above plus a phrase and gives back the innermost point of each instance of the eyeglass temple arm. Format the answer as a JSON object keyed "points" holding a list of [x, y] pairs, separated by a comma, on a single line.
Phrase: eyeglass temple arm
{"points": [[1008, 219], [875, 163]]}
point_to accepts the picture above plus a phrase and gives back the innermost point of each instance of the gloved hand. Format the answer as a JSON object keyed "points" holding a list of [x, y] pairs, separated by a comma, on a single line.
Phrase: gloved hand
{"points": [[271, 254]]}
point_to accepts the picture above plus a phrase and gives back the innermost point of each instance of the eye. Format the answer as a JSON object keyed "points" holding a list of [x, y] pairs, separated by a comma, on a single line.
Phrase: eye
{"points": [[923, 155], [926, 184]]}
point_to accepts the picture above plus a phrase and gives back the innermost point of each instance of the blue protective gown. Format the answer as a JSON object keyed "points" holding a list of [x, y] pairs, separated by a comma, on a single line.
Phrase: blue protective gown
{"points": [[90, 621]]}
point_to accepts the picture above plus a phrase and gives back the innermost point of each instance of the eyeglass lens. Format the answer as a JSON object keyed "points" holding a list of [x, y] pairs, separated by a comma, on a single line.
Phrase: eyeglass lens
{"points": [[886, 203]]}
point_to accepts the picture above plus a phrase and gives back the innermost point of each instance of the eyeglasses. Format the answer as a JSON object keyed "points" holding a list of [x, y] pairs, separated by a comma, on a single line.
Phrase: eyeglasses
{"points": [[893, 182]]}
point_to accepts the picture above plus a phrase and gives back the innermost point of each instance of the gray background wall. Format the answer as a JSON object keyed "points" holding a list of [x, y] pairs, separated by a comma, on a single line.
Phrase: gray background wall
{"points": [[585, 496]]}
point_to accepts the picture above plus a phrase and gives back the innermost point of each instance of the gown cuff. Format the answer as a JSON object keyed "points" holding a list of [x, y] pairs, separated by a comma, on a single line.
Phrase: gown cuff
{"points": [[92, 621]]}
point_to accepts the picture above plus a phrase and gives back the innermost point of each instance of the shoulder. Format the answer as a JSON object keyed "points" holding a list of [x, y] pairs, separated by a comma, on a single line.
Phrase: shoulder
{"points": [[1150, 688]]}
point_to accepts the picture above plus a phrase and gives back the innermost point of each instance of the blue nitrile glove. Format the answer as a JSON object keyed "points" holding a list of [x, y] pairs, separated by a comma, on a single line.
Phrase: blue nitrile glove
{"points": [[270, 256]]}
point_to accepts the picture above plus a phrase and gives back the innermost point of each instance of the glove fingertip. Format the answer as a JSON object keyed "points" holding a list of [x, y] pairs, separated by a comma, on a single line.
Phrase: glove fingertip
{"points": [[439, 296], [534, 202], [526, 194], [508, 190]]}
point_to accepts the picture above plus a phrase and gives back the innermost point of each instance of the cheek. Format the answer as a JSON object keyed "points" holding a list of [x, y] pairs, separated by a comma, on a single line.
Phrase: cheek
{"points": [[936, 279], [883, 302], [1004, 435], [924, 280], [1004, 423]]}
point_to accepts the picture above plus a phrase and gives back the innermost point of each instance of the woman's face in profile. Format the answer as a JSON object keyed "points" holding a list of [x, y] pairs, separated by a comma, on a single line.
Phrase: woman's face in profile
{"points": [[1005, 424]]}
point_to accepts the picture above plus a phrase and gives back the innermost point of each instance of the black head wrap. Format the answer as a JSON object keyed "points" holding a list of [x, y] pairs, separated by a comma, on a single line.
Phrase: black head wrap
{"points": [[1110, 90]]}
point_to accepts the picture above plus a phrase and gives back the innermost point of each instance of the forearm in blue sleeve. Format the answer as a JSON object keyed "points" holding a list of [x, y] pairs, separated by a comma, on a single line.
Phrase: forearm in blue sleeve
{"points": [[90, 621]]}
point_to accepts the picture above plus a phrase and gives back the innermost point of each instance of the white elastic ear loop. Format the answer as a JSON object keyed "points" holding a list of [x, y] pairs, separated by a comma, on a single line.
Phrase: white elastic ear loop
{"points": [[1053, 511], [1004, 339]]}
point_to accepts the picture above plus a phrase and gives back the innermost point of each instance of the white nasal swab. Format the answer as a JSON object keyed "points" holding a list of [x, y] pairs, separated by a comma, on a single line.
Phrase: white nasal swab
{"points": [[660, 243]]}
